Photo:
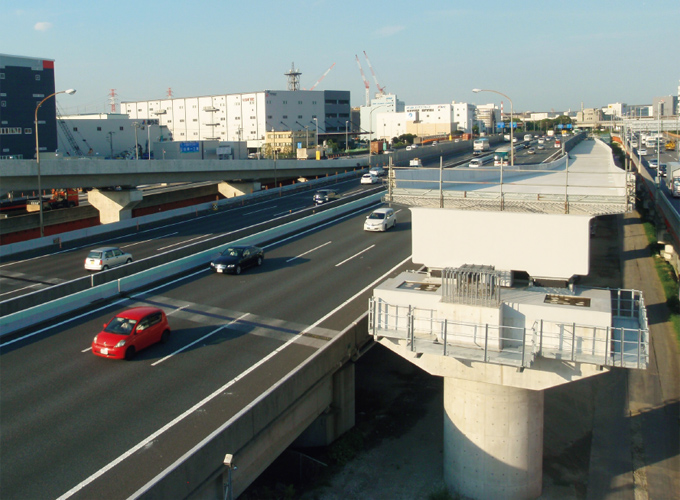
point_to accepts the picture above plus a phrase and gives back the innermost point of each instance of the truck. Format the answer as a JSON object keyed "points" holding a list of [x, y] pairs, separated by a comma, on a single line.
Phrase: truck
{"points": [[673, 178], [670, 145], [551, 133], [60, 198], [415, 162], [377, 147]]}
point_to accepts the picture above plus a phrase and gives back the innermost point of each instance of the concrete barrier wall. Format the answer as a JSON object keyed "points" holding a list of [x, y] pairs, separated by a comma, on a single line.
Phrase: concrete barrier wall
{"points": [[27, 317]]}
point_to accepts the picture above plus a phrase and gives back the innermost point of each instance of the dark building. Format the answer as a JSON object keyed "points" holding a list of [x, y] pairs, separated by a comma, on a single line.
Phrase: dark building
{"points": [[24, 82]]}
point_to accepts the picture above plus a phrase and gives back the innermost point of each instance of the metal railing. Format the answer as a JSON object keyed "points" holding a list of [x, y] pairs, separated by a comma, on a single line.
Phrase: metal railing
{"points": [[625, 343]]}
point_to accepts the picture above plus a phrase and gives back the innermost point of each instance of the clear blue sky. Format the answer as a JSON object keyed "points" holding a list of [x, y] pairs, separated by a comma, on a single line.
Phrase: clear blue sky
{"points": [[543, 54]]}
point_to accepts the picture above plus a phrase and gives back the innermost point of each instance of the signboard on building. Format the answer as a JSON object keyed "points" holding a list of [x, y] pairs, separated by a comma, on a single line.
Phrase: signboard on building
{"points": [[189, 147]]}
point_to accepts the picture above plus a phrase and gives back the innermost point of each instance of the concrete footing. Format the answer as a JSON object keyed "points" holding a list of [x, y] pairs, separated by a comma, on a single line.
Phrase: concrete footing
{"points": [[493, 440], [114, 206]]}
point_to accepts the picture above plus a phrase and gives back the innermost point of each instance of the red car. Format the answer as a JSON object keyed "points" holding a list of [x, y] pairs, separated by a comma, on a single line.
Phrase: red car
{"points": [[130, 332]]}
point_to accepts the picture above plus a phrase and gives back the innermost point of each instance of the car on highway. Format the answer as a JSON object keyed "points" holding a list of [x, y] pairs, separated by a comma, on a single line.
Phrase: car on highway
{"points": [[642, 151], [369, 178], [101, 259], [662, 170], [475, 162], [381, 219], [378, 170], [531, 151], [131, 331], [324, 195], [540, 146], [237, 258], [653, 163]]}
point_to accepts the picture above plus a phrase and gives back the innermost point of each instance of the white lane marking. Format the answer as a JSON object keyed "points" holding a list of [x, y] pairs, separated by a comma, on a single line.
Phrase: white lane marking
{"points": [[119, 301], [209, 398], [176, 310], [150, 239], [355, 255], [88, 349], [315, 228], [198, 340], [23, 288], [261, 210], [308, 251], [292, 211], [185, 241], [219, 430]]}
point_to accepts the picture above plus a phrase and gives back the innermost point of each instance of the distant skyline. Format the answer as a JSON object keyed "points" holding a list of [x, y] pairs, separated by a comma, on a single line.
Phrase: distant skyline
{"points": [[544, 55]]}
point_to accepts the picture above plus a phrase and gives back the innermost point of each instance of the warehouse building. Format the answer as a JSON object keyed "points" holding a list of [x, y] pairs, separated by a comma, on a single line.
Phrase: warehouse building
{"points": [[248, 116]]}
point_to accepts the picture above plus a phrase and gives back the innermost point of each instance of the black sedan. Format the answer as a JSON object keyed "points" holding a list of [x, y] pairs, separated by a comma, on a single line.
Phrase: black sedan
{"points": [[237, 258]]}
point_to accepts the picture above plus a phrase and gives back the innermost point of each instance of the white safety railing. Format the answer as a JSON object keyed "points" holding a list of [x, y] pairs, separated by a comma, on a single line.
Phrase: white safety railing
{"points": [[625, 343]]}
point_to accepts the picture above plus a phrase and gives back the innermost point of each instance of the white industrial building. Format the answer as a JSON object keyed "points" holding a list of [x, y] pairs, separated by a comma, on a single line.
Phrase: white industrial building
{"points": [[107, 135], [488, 115], [422, 120], [386, 103], [248, 116]]}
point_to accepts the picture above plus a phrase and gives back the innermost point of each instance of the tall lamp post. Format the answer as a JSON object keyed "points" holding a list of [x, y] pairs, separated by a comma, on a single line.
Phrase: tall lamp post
{"points": [[512, 144], [37, 154], [316, 148], [136, 127], [370, 132], [346, 143]]}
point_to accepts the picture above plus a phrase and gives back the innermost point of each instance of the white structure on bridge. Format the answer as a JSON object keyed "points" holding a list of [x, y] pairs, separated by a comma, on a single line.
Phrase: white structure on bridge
{"points": [[492, 314]]}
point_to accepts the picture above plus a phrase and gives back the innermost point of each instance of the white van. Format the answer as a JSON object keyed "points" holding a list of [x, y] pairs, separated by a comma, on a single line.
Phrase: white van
{"points": [[475, 162]]}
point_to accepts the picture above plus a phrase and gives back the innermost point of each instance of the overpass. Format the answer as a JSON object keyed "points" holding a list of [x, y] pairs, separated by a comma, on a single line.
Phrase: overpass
{"points": [[235, 177]]}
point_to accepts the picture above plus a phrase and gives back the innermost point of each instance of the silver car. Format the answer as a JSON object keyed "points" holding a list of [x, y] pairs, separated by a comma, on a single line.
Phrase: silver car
{"points": [[101, 259]]}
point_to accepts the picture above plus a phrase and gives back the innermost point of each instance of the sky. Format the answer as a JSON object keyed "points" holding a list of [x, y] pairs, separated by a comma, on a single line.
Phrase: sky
{"points": [[545, 55]]}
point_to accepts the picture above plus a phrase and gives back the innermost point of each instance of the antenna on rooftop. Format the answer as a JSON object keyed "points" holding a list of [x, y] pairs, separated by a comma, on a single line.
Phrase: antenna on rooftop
{"points": [[293, 78]]}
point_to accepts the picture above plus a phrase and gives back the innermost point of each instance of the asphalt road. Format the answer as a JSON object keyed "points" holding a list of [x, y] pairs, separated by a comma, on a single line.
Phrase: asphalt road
{"points": [[76, 425], [32, 271]]}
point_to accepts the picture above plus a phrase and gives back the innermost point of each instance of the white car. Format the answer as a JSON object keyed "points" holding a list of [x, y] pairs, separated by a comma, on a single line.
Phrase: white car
{"points": [[101, 259], [380, 219], [642, 151], [475, 162], [377, 171], [369, 179]]}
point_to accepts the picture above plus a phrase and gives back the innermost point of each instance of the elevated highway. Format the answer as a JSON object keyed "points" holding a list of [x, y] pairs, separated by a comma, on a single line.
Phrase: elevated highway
{"points": [[249, 366]]}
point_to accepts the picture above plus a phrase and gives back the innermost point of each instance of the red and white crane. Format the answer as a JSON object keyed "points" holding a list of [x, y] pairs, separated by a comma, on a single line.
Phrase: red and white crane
{"points": [[381, 90], [368, 98], [322, 77]]}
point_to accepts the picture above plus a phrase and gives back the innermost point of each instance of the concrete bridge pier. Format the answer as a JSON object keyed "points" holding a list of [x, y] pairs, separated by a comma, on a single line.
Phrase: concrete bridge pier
{"points": [[114, 206], [493, 440], [232, 189]]}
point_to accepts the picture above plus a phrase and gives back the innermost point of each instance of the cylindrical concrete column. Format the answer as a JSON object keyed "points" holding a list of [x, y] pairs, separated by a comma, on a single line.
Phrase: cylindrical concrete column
{"points": [[493, 440]]}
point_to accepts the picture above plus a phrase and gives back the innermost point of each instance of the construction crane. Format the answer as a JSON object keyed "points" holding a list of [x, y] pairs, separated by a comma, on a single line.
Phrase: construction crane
{"points": [[368, 98], [381, 90], [322, 77]]}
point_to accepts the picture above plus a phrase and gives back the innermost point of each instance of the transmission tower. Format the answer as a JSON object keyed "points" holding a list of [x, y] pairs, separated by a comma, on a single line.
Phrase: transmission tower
{"points": [[112, 100]]}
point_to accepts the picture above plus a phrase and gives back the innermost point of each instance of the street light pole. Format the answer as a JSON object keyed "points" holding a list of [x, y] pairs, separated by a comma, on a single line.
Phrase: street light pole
{"points": [[512, 146], [346, 143], [512, 142], [37, 154], [136, 126], [370, 132], [316, 148]]}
